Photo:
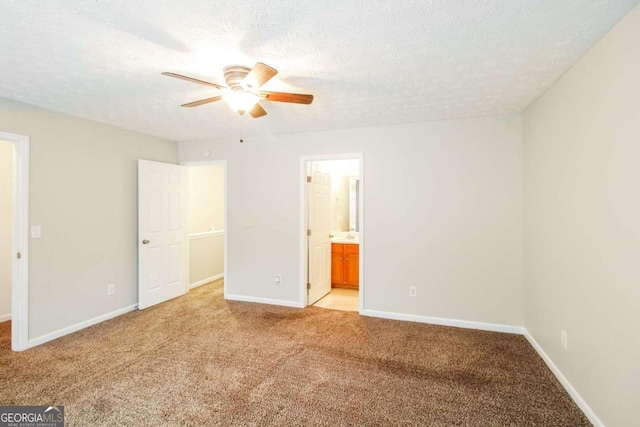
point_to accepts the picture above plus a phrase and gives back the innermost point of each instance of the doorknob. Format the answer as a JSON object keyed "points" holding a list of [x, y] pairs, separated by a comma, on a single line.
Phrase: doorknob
{"points": [[145, 242]]}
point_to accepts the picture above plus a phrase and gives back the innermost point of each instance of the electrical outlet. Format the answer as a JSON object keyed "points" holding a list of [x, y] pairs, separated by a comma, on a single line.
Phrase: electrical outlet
{"points": [[278, 278], [563, 338], [413, 291], [111, 289]]}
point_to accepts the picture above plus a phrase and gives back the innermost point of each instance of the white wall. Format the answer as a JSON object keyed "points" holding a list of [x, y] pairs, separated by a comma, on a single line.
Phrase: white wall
{"points": [[83, 192], [206, 259], [206, 213], [206, 198], [339, 203], [6, 226], [443, 212], [582, 223]]}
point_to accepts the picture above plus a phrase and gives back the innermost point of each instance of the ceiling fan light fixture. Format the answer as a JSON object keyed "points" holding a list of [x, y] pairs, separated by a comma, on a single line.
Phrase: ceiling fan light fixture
{"points": [[241, 90], [239, 100]]}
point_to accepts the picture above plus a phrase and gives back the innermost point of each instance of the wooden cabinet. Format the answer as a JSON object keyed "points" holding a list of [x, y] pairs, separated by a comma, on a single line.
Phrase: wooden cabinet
{"points": [[337, 264], [345, 265]]}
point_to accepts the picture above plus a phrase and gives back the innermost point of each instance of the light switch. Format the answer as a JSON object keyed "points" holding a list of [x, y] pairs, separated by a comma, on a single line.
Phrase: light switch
{"points": [[36, 232]]}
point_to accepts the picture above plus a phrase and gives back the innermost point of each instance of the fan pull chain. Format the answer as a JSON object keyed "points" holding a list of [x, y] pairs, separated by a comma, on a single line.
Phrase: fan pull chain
{"points": [[241, 128]]}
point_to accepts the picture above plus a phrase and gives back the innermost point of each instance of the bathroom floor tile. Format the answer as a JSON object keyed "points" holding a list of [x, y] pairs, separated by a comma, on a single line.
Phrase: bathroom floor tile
{"points": [[340, 299]]}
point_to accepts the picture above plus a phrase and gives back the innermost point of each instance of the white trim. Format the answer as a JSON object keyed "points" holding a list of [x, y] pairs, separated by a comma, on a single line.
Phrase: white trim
{"points": [[226, 204], [204, 234], [20, 267], [361, 235], [597, 422], [5, 317], [468, 324], [302, 298], [258, 300], [225, 246], [78, 326], [205, 281], [303, 222]]}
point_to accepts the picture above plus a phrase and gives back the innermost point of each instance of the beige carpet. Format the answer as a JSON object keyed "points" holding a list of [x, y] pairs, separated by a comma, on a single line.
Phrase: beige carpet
{"points": [[202, 361]]}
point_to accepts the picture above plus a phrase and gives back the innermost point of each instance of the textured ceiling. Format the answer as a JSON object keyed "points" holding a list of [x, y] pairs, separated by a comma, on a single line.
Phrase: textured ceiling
{"points": [[367, 62]]}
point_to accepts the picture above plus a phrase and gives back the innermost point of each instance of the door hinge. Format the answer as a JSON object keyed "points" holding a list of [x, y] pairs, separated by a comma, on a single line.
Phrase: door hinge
{"points": [[308, 286], [309, 232], [19, 255], [308, 179]]}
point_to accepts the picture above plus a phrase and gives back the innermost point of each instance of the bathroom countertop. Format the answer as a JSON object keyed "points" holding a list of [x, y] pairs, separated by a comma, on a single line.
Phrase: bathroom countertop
{"points": [[348, 241]]}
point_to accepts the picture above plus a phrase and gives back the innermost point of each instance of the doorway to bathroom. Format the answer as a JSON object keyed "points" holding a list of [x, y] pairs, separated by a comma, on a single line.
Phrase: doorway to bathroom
{"points": [[332, 218]]}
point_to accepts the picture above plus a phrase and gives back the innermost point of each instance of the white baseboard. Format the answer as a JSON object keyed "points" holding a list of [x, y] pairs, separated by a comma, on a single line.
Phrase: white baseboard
{"points": [[5, 317], [565, 382], [269, 301], [494, 327], [78, 326], [205, 281]]}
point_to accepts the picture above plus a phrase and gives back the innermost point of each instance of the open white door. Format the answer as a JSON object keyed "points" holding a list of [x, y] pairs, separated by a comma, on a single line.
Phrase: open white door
{"points": [[162, 232], [319, 206]]}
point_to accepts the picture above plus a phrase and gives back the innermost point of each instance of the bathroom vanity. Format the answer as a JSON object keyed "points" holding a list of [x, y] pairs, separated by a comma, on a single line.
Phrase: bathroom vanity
{"points": [[345, 265]]}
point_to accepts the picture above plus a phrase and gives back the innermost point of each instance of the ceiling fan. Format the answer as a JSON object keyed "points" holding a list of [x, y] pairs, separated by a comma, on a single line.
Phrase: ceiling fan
{"points": [[241, 92]]}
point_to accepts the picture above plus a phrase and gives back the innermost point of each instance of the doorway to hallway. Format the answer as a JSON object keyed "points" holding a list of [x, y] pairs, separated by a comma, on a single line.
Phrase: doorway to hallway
{"points": [[181, 228], [14, 191], [6, 228]]}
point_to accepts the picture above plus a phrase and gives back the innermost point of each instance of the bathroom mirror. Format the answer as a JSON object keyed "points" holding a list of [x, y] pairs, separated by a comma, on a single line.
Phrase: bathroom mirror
{"points": [[345, 203]]}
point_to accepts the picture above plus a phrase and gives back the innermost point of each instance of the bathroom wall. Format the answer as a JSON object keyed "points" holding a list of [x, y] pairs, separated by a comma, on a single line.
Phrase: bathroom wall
{"points": [[340, 202], [206, 223], [6, 215], [340, 170]]}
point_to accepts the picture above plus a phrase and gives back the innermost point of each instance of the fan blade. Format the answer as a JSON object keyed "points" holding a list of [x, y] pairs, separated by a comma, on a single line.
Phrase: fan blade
{"points": [[257, 111], [191, 79], [202, 101], [296, 98], [259, 75]]}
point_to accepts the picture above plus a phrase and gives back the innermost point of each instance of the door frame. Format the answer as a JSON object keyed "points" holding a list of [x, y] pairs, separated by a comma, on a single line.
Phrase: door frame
{"points": [[303, 221], [319, 221], [224, 164], [20, 242]]}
